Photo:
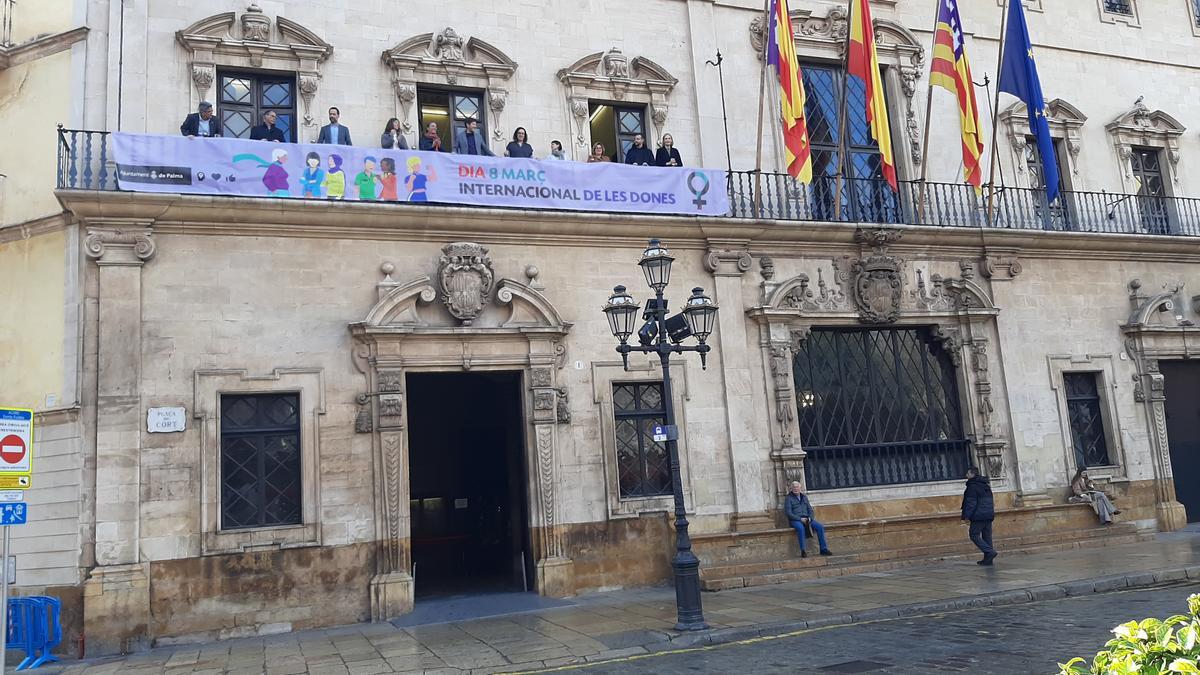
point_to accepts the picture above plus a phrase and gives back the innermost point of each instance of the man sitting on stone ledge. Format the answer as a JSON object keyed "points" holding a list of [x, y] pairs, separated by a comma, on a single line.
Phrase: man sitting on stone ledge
{"points": [[799, 513], [1085, 491]]}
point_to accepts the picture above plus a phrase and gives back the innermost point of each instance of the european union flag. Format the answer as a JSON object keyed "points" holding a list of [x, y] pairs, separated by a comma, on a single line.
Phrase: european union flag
{"points": [[1019, 77]]}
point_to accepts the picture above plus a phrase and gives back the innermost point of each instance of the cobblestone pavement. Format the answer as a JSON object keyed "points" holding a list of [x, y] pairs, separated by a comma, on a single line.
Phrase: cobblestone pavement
{"points": [[1029, 638], [604, 626]]}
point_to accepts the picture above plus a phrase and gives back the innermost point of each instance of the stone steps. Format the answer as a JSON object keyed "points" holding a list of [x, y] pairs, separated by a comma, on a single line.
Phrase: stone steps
{"points": [[747, 574]]}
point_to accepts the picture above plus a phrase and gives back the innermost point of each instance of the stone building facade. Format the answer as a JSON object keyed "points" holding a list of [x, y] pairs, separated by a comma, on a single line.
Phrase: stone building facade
{"points": [[317, 354]]}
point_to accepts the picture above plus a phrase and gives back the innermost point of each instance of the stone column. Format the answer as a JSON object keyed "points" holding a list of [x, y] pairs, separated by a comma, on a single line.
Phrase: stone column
{"points": [[555, 571], [117, 591], [749, 491], [392, 585]]}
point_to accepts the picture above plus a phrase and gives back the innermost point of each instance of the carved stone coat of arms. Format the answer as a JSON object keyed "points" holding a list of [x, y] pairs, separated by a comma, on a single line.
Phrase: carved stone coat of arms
{"points": [[466, 276]]}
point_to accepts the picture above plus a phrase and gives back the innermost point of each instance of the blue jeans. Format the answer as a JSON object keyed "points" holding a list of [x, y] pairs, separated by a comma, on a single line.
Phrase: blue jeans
{"points": [[817, 527], [981, 536]]}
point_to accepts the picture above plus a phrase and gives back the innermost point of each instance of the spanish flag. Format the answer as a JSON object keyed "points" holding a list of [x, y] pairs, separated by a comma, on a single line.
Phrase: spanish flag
{"points": [[863, 63], [951, 71], [781, 53]]}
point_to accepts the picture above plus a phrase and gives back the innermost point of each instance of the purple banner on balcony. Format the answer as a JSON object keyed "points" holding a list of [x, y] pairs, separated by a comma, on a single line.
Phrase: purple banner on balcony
{"points": [[236, 167]]}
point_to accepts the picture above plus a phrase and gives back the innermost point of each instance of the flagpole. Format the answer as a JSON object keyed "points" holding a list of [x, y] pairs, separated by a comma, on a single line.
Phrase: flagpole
{"points": [[996, 115], [937, 12], [837, 195], [762, 92]]}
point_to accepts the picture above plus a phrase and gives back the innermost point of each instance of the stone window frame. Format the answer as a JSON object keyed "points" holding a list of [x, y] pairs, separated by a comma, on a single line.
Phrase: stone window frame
{"points": [[1066, 124], [1140, 126], [1102, 365], [255, 43], [1132, 19], [610, 76], [446, 60], [604, 375], [1031, 5], [209, 385], [901, 53], [1193, 11]]}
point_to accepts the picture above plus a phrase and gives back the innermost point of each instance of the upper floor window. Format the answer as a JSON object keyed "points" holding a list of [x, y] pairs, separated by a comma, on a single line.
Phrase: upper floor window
{"points": [[1057, 215], [1124, 7], [1152, 204], [614, 127], [450, 110], [1087, 420], [243, 98], [865, 195], [643, 464], [260, 460]]}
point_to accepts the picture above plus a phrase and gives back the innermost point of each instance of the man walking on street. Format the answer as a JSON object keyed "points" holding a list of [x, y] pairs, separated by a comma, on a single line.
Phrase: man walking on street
{"points": [[799, 512], [979, 509]]}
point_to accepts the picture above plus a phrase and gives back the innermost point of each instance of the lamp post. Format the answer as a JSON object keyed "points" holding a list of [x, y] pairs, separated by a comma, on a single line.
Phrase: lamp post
{"points": [[662, 335]]}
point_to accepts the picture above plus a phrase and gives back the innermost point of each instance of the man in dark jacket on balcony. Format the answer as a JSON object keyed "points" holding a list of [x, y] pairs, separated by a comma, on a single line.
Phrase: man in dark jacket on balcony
{"points": [[979, 509], [799, 512]]}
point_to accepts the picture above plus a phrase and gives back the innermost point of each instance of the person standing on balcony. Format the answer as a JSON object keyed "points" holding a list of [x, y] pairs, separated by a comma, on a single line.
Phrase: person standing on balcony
{"points": [[598, 154], [469, 142], [267, 131], [556, 152], [667, 155], [638, 154], [431, 142], [334, 133], [392, 138], [519, 146], [202, 123], [800, 516], [979, 509]]}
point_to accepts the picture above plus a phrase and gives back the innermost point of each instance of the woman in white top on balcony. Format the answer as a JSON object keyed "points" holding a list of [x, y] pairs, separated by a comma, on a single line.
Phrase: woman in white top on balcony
{"points": [[556, 152]]}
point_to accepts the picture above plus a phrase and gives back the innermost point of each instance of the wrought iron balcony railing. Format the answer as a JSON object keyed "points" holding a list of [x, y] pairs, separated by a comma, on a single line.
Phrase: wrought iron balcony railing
{"points": [[865, 465], [85, 162]]}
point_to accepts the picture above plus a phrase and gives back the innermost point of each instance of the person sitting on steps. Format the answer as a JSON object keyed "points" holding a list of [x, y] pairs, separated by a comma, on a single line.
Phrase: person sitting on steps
{"points": [[799, 512], [1084, 490]]}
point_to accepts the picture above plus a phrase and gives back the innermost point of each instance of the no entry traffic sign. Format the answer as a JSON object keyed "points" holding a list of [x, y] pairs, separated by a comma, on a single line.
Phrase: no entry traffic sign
{"points": [[16, 446]]}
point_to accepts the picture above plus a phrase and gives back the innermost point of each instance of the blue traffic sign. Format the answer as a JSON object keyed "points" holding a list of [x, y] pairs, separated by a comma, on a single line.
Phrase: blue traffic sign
{"points": [[13, 513]]}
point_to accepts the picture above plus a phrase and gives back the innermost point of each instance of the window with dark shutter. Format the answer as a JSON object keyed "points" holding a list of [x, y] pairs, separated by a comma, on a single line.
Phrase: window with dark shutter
{"points": [[260, 460]]}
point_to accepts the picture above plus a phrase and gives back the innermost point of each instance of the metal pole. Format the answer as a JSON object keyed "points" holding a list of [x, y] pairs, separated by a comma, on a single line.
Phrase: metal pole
{"points": [[4, 605], [996, 115], [928, 118], [724, 115], [842, 164], [688, 608], [762, 92]]}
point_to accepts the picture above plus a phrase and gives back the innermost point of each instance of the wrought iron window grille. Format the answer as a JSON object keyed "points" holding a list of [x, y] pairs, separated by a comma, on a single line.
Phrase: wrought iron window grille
{"points": [[1087, 420], [260, 460], [643, 465]]}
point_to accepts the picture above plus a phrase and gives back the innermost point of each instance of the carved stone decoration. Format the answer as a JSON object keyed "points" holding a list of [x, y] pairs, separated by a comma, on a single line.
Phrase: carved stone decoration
{"points": [[727, 262], [466, 276], [119, 246], [824, 299], [966, 267], [875, 281], [1140, 126], [1000, 267], [497, 99], [543, 400], [390, 381], [563, 410], [781, 374], [363, 424], [308, 89], [222, 40], [256, 26], [448, 46], [447, 58], [766, 268], [202, 78], [551, 540], [951, 342], [933, 298], [1065, 121], [612, 75], [541, 377]]}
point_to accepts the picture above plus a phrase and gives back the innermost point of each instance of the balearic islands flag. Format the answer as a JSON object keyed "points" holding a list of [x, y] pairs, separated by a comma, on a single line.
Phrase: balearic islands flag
{"points": [[863, 63], [781, 53], [951, 71]]}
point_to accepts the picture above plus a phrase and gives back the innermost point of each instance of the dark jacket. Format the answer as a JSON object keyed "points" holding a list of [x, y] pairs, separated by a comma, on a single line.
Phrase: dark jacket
{"points": [[461, 146], [262, 132], [426, 144], [663, 156], [515, 149], [797, 507], [324, 136], [977, 504], [191, 125], [388, 141], [639, 156]]}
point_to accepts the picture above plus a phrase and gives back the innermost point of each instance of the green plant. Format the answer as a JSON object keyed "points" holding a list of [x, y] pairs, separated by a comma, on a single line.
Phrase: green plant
{"points": [[1149, 647]]}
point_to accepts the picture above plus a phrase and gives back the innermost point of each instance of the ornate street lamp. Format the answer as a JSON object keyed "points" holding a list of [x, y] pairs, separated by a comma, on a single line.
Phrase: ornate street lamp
{"points": [[663, 336]]}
